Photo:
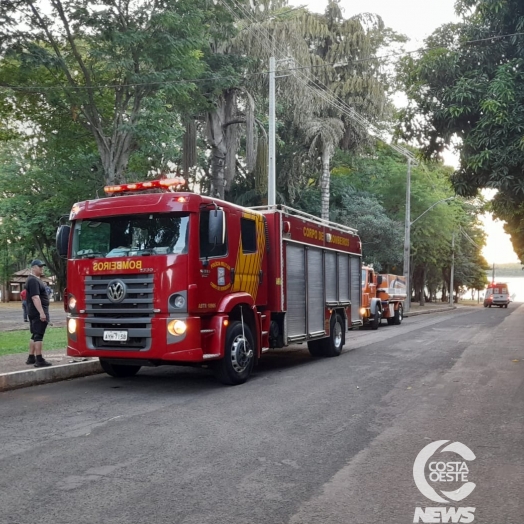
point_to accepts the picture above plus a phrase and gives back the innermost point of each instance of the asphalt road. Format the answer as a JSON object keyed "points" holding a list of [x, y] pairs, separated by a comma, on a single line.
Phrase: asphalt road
{"points": [[304, 441]]}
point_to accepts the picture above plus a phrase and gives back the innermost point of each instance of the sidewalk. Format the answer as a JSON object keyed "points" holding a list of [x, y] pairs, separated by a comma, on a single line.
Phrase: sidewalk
{"points": [[15, 373], [430, 307]]}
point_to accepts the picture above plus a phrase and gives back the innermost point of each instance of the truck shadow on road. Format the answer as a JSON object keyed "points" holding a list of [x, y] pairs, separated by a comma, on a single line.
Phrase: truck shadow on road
{"points": [[188, 379]]}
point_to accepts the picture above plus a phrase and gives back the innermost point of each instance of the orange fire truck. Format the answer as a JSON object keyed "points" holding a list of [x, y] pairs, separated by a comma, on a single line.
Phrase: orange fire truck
{"points": [[383, 296], [179, 278]]}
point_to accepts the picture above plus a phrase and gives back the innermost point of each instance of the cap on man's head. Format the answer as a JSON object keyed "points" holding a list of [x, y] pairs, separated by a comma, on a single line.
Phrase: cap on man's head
{"points": [[37, 262]]}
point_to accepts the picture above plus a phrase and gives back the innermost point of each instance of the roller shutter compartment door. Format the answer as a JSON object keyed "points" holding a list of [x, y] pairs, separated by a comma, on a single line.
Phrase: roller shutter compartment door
{"points": [[295, 290], [315, 291], [330, 276], [343, 278], [356, 288]]}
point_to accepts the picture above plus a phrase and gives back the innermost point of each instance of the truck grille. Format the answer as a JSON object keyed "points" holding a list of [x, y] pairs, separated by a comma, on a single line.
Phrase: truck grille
{"points": [[132, 314]]}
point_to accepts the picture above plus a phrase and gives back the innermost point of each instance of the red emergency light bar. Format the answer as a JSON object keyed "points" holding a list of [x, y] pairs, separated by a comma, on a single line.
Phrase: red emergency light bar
{"points": [[165, 183]]}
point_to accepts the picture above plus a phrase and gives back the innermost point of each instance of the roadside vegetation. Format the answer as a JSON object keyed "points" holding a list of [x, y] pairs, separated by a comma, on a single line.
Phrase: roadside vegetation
{"points": [[98, 92], [12, 342]]}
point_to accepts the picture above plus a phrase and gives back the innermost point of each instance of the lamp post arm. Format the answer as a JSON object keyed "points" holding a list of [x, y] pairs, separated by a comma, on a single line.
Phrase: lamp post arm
{"points": [[431, 207]]}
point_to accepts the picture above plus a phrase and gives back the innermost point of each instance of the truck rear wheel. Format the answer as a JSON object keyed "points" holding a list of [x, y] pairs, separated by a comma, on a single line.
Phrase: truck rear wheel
{"points": [[315, 348], [399, 315], [119, 370], [332, 345], [335, 342], [239, 355]]}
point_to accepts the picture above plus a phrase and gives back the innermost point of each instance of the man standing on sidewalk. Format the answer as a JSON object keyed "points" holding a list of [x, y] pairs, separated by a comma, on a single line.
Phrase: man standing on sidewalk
{"points": [[38, 312]]}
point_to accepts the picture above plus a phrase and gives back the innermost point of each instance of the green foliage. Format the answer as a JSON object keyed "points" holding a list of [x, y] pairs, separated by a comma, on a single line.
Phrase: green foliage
{"points": [[383, 173], [13, 342], [39, 186], [468, 90], [115, 69]]}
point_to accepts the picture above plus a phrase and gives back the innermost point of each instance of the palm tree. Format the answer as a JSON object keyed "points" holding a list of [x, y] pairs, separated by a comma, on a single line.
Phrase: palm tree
{"points": [[323, 135]]}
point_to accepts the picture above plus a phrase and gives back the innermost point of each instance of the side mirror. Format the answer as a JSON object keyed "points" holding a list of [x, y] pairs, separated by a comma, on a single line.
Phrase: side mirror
{"points": [[62, 240], [217, 228]]}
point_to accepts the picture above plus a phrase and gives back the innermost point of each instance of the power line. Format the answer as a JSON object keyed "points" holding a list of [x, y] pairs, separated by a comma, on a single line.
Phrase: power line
{"points": [[245, 76], [319, 90]]}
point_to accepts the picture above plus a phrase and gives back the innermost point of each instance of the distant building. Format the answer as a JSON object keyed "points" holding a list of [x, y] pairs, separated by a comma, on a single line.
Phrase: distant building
{"points": [[17, 281]]}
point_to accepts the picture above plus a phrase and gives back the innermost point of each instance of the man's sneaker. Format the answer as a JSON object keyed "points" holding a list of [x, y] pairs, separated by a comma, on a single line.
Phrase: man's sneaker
{"points": [[42, 363], [30, 359]]}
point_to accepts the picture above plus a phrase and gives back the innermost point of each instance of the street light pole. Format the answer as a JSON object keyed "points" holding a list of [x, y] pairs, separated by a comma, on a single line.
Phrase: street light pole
{"points": [[272, 184], [407, 233], [452, 269]]}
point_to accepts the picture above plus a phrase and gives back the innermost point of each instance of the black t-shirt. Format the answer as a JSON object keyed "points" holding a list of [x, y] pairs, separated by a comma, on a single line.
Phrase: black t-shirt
{"points": [[35, 287]]}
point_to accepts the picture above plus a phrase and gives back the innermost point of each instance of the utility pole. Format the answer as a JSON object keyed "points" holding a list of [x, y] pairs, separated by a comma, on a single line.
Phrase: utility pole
{"points": [[271, 179], [452, 269], [407, 240]]}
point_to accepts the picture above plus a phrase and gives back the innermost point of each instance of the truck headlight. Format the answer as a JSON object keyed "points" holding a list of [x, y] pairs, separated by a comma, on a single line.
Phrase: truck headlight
{"points": [[71, 302], [71, 326], [180, 301], [177, 327], [362, 311]]}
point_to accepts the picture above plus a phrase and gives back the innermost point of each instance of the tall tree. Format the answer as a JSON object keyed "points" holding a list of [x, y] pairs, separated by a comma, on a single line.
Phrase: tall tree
{"points": [[467, 90], [99, 63]]}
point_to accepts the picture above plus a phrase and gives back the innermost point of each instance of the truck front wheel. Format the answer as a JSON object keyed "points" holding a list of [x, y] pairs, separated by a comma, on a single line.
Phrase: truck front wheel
{"points": [[377, 317], [119, 370], [399, 315], [239, 355]]}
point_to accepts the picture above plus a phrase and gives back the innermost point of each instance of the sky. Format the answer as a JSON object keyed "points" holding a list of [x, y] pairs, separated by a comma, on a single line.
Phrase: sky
{"points": [[417, 19]]}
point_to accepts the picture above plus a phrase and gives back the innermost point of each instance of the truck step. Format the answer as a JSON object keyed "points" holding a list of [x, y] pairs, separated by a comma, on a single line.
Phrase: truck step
{"points": [[211, 355], [265, 350]]}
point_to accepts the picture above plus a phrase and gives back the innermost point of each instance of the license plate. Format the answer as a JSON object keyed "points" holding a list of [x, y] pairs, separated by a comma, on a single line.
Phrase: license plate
{"points": [[115, 336]]}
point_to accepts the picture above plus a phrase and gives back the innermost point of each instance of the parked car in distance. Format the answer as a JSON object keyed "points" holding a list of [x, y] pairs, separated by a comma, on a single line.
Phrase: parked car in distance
{"points": [[497, 295]]}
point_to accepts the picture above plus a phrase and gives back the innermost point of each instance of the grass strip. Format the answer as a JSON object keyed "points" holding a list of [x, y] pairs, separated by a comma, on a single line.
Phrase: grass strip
{"points": [[12, 342]]}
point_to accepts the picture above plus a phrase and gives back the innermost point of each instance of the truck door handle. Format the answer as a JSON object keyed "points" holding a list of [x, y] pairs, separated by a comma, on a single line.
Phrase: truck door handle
{"points": [[260, 277], [232, 272]]}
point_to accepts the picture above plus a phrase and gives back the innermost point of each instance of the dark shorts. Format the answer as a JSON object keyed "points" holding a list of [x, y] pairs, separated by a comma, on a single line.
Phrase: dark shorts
{"points": [[37, 327]]}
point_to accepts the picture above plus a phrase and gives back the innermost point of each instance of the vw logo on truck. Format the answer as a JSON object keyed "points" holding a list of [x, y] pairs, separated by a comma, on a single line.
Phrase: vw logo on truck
{"points": [[116, 291]]}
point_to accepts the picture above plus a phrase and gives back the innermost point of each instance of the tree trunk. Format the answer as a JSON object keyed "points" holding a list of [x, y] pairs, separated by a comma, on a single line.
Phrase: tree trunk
{"points": [[216, 134], [325, 180], [422, 286]]}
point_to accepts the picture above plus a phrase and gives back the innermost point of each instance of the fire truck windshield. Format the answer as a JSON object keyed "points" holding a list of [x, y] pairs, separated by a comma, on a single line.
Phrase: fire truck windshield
{"points": [[131, 235]]}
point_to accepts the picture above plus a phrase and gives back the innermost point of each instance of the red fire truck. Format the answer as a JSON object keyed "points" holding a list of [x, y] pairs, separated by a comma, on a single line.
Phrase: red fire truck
{"points": [[179, 278]]}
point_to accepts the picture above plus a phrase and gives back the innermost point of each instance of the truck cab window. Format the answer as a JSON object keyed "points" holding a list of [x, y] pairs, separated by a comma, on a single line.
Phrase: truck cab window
{"points": [[208, 250], [133, 235], [249, 235]]}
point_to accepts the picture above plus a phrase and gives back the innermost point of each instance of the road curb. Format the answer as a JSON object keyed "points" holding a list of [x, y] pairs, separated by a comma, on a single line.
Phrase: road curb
{"points": [[34, 377], [429, 311]]}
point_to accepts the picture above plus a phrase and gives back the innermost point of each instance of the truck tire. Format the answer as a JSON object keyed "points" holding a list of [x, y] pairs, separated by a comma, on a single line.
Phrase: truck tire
{"points": [[315, 348], [332, 345], [335, 342], [399, 315], [119, 370], [239, 355], [377, 317]]}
